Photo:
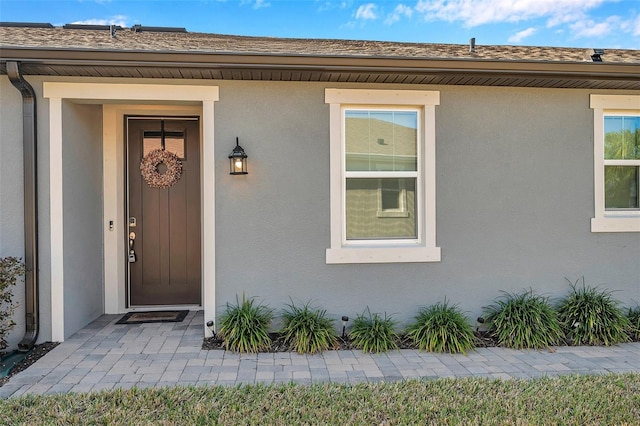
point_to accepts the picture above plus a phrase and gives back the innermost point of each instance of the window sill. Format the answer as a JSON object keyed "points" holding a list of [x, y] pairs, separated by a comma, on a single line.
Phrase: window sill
{"points": [[382, 255], [387, 213], [615, 224]]}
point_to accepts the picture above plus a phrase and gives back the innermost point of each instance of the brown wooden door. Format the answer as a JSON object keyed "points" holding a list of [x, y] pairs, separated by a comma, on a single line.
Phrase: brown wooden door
{"points": [[166, 222]]}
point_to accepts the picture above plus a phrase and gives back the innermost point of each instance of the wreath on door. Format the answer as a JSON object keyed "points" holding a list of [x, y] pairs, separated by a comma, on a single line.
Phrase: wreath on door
{"points": [[149, 169]]}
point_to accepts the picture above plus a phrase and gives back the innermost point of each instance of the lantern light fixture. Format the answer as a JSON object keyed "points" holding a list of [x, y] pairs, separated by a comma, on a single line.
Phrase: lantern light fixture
{"points": [[212, 328], [345, 319], [238, 160]]}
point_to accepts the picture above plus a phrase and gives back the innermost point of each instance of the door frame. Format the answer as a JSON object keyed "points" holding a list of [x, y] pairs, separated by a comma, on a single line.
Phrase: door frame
{"points": [[117, 101]]}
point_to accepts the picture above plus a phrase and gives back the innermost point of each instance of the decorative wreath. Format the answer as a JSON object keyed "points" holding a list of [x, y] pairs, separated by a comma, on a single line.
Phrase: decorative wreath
{"points": [[149, 168]]}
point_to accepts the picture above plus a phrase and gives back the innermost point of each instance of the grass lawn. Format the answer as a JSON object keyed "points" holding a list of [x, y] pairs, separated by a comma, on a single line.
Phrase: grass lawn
{"points": [[571, 400]]}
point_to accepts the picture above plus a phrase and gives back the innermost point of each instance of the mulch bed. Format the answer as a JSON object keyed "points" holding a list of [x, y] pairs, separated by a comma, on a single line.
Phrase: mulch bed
{"points": [[342, 343], [36, 353]]}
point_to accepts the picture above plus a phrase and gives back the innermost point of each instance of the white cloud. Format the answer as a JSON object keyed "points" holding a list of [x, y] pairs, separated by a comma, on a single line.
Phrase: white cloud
{"points": [[120, 20], [367, 12], [591, 28], [400, 11], [478, 12], [256, 4], [260, 4], [324, 5], [521, 35], [635, 28]]}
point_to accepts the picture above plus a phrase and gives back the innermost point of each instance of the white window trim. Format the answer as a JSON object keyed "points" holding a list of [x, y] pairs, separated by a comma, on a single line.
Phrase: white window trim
{"points": [[609, 220], [424, 248]]}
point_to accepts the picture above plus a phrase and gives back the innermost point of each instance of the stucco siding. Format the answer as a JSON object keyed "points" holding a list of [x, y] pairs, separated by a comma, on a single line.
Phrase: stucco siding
{"points": [[82, 192], [11, 192], [514, 201], [515, 195], [11, 198]]}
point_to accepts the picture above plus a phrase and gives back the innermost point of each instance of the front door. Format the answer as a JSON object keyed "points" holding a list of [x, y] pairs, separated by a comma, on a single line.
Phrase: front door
{"points": [[163, 251]]}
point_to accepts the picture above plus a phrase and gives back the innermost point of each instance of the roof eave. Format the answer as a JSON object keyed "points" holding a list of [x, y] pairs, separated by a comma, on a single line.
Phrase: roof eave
{"points": [[44, 60]]}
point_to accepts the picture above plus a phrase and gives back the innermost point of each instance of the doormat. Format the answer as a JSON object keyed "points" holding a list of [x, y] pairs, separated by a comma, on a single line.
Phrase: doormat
{"points": [[153, 316]]}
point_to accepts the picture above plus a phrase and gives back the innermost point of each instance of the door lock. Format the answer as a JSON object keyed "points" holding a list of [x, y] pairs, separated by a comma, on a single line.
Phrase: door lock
{"points": [[132, 253]]}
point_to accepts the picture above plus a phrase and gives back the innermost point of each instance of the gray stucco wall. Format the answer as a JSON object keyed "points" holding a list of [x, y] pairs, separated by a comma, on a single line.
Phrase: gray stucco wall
{"points": [[11, 198], [82, 149], [514, 202], [82, 189], [11, 192]]}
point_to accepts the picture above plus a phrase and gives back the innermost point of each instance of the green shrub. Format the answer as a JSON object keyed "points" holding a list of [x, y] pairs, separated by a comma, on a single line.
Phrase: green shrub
{"points": [[307, 330], [373, 333], [591, 316], [634, 320], [442, 328], [244, 327], [524, 321], [11, 268]]}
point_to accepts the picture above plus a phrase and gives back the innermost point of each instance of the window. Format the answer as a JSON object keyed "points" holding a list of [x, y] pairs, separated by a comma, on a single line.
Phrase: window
{"points": [[616, 163], [173, 142], [382, 176]]}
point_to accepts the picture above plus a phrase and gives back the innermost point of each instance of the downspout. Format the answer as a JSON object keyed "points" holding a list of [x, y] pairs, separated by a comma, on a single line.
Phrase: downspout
{"points": [[29, 143]]}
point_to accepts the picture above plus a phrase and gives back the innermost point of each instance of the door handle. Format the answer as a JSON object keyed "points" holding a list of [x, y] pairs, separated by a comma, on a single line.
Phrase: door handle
{"points": [[132, 253]]}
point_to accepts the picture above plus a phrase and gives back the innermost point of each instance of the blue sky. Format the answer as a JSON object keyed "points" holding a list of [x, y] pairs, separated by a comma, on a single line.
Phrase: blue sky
{"points": [[571, 23]]}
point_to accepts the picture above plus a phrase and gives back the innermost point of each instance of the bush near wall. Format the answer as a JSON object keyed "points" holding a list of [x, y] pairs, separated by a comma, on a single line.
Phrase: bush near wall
{"points": [[442, 328], [522, 320], [634, 320], [11, 268], [591, 316]]}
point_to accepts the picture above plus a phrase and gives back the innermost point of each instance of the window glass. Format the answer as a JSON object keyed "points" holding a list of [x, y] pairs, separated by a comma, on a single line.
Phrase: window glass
{"points": [[392, 195], [366, 201], [173, 142], [621, 187], [381, 140], [622, 137], [150, 144]]}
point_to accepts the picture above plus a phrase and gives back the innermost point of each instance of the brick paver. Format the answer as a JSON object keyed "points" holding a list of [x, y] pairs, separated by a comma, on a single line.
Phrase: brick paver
{"points": [[105, 355]]}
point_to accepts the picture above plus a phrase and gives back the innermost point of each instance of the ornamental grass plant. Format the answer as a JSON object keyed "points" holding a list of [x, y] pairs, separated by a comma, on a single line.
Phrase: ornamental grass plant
{"points": [[244, 327], [373, 333], [441, 328], [523, 321], [591, 316], [307, 329], [634, 320]]}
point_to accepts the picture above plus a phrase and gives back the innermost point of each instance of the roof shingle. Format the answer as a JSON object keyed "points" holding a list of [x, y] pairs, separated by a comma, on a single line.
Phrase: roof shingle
{"points": [[177, 42]]}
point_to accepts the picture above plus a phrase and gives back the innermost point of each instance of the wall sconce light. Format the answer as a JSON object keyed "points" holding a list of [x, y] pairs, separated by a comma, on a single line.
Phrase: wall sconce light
{"points": [[238, 160]]}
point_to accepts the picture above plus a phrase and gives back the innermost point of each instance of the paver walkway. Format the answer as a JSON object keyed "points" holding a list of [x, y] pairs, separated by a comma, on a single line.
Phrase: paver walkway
{"points": [[105, 355]]}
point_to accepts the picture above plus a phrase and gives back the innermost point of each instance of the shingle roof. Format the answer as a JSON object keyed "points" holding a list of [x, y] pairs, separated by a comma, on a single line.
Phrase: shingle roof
{"points": [[157, 53], [145, 41]]}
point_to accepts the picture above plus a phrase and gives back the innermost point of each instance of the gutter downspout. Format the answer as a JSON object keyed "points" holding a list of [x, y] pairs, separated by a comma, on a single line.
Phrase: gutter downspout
{"points": [[29, 142]]}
